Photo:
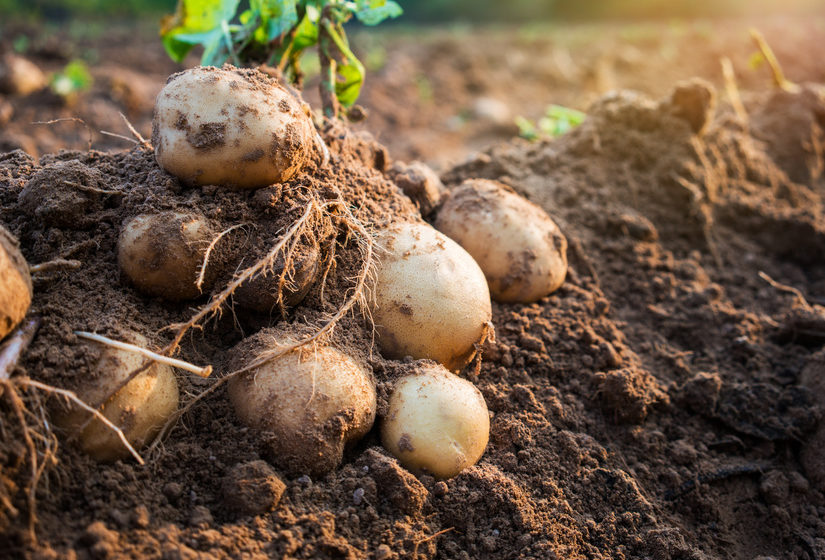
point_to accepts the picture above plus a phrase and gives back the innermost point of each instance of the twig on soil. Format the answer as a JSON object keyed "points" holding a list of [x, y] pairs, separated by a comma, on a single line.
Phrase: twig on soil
{"points": [[141, 139], [73, 119], [419, 542], [208, 253], [716, 476], [785, 288], [197, 370], [48, 266], [733, 90], [95, 190], [776, 69], [122, 137]]}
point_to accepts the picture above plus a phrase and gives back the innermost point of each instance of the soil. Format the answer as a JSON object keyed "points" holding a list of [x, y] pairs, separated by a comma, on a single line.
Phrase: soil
{"points": [[663, 403]]}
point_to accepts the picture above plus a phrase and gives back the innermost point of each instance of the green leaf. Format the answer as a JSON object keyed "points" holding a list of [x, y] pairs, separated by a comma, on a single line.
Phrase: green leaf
{"points": [[348, 88], [306, 34], [373, 12], [277, 16], [196, 22], [74, 77]]}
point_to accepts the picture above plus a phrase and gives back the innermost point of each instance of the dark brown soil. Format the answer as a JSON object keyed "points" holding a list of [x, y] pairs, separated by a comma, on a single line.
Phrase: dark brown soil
{"points": [[653, 407]]}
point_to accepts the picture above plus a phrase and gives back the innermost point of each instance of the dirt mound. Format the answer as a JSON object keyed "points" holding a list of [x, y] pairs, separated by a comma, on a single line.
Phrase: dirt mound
{"points": [[651, 408]]}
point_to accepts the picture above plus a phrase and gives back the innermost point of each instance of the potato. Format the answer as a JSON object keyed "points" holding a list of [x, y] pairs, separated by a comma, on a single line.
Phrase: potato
{"points": [[437, 422], [139, 409], [260, 293], [20, 76], [15, 284], [162, 254], [312, 402], [232, 127], [430, 298], [520, 249]]}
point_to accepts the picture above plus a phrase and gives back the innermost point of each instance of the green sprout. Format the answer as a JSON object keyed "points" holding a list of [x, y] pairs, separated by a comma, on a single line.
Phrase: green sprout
{"points": [[276, 33], [75, 77], [557, 120]]}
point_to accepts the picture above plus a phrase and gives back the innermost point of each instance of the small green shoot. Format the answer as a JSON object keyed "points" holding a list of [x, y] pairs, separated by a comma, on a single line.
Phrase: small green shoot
{"points": [[75, 77], [21, 44], [276, 33], [557, 120]]}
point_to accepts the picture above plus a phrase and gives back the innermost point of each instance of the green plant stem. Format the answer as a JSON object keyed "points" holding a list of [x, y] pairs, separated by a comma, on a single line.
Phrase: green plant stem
{"points": [[329, 101], [342, 45], [227, 36]]}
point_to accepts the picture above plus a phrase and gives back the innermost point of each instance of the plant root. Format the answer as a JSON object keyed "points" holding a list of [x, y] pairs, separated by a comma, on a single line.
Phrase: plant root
{"points": [[315, 213], [55, 264], [205, 371], [732, 90], [202, 273], [788, 289]]}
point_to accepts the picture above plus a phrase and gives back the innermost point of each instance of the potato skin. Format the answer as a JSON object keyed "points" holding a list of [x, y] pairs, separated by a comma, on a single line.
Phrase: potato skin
{"points": [[518, 246], [161, 254], [15, 284], [139, 409], [260, 293], [312, 401], [437, 422], [231, 127], [430, 300]]}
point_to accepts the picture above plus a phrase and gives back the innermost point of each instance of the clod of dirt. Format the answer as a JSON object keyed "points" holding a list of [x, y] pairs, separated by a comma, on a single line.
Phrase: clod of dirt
{"points": [[768, 412], [694, 101], [65, 195], [396, 484], [252, 488], [628, 394], [418, 182]]}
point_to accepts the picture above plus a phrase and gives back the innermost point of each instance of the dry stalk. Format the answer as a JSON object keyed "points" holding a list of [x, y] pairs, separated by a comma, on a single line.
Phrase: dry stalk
{"points": [[70, 119], [779, 79], [732, 89], [143, 142], [48, 266], [180, 364]]}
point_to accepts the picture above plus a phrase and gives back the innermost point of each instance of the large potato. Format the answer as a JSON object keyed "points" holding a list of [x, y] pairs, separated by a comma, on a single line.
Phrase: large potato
{"points": [[430, 298], [437, 422], [139, 409], [230, 126], [15, 284], [162, 254], [313, 402], [520, 249]]}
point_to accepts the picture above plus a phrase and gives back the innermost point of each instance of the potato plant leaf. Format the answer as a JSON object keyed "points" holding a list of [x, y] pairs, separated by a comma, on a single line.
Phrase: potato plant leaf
{"points": [[373, 12]]}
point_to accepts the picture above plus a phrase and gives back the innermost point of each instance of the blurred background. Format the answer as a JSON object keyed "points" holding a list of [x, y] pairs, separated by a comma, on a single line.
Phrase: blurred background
{"points": [[444, 80]]}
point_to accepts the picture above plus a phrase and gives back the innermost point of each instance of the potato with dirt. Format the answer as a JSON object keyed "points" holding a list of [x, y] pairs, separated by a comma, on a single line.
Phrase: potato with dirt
{"points": [[162, 254], [15, 283], [20, 76], [430, 299], [232, 127], [139, 409], [313, 401], [518, 246], [437, 422]]}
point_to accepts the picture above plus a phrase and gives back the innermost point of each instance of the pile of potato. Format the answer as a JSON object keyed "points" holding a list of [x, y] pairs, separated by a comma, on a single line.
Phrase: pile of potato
{"points": [[431, 299]]}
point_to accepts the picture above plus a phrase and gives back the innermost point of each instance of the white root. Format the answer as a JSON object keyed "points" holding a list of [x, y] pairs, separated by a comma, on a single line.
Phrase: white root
{"points": [[180, 364], [202, 273], [13, 348]]}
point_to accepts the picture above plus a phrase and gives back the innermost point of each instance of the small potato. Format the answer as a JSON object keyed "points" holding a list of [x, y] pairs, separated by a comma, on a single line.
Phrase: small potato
{"points": [[20, 76], [232, 127], [313, 401], [162, 254], [520, 249], [430, 298], [437, 422], [15, 284], [139, 409]]}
